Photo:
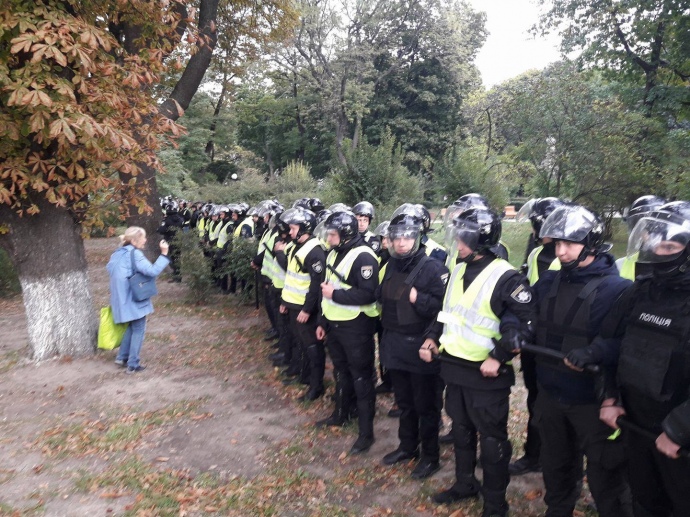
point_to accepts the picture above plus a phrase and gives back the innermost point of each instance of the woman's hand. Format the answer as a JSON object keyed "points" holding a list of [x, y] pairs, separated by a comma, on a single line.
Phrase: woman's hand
{"points": [[164, 247]]}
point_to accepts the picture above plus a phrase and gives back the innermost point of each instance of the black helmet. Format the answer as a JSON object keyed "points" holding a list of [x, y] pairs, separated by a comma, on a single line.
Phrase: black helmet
{"points": [[339, 207], [479, 229], [364, 208], [282, 224], [407, 226], [574, 223], [541, 209], [382, 229], [641, 206], [663, 237], [170, 206], [302, 203], [323, 215], [345, 223], [305, 219], [426, 217], [315, 205], [472, 200]]}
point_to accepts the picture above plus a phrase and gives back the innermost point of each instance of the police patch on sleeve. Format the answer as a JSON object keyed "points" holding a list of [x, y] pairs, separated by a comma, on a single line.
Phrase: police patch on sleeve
{"points": [[317, 266], [366, 272], [521, 294], [444, 278], [375, 245]]}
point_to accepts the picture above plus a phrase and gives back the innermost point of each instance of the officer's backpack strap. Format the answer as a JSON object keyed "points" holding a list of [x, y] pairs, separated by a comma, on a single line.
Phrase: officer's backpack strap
{"points": [[415, 272]]}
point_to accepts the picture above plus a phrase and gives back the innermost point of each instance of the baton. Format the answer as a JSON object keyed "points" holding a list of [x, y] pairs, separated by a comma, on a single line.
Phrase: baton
{"points": [[257, 278], [555, 354], [627, 425]]}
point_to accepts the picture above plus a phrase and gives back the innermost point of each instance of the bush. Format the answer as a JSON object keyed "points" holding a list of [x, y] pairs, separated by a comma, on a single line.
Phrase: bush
{"points": [[195, 268], [9, 281], [237, 263]]}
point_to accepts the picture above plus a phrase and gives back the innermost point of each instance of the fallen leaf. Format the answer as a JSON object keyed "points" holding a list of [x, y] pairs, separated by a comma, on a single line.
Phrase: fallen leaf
{"points": [[342, 456], [457, 513], [162, 458], [531, 495]]}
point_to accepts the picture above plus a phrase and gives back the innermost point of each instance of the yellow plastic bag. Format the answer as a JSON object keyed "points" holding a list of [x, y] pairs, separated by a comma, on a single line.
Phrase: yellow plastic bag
{"points": [[110, 334]]}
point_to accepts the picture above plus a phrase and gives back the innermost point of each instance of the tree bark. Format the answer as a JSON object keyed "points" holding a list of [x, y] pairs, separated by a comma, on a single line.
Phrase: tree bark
{"points": [[48, 252]]}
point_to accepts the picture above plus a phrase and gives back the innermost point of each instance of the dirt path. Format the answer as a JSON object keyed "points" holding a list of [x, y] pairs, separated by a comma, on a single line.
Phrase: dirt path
{"points": [[207, 429]]}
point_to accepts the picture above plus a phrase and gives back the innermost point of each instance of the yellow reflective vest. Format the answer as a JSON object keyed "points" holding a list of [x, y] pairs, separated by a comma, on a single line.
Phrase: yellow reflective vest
{"points": [[626, 267], [248, 221], [201, 226], [334, 311], [297, 278], [432, 245], [469, 323], [266, 247], [223, 236], [214, 229], [532, 268], [279, 273]]}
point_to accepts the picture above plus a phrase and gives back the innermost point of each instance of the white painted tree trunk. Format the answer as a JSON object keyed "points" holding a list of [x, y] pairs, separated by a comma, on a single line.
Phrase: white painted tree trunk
{"points": [[47, 251], [56, 308]]}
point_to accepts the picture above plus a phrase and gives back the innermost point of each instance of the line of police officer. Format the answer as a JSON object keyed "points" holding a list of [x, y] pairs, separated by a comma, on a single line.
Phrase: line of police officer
{"points": [[578, 315]]}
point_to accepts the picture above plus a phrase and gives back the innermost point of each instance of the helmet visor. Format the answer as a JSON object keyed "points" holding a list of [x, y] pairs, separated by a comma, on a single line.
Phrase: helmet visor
{"points": [[404, 240], [657, 241], [466, 232], [525, 211], [320, 232], [568, 223]]}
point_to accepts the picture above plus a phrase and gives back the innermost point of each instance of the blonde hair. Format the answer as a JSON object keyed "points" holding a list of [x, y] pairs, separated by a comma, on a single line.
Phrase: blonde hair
{"points": [[131, 234]]}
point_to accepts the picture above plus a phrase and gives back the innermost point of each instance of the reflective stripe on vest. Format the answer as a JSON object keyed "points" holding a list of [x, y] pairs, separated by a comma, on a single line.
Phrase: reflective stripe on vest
{"points": [[334, 311], [469, 322], [248, 221], [297, 281], [627, 267], [223, 236], [279, 272], [533, 269], [266, 246]]}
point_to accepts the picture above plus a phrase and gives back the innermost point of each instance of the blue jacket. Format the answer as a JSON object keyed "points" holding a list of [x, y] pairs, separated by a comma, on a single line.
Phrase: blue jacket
{"points": [[120, 269]]}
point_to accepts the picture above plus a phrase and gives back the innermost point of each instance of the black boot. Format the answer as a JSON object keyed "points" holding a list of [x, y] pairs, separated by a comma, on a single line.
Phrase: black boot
{"points": [[340, 414], [366, 407], [317, 362]]}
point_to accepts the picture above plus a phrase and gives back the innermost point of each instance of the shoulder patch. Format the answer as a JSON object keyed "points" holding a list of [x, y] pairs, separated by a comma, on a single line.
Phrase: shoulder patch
{"points": [[367, 272], [375, 245], [444, 278], [317, 266], [521, 294]]}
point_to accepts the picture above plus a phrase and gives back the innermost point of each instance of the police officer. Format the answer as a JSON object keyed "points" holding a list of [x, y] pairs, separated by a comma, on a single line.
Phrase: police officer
{"points": [[628, 266], [541, 258], [411, 294], [301, 294], [572, 304], [262, 262], [486, 302], [364, 211], [432, 248], [349, 317], [652, 387], [171, 224]]}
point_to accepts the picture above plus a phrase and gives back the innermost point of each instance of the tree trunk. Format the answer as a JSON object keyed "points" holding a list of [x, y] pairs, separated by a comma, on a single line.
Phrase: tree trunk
{"points": [[48, 252]]}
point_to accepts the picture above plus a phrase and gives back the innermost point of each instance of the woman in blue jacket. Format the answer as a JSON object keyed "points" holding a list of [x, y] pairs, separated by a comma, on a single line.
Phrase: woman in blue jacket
{"points": [[125, 309]]}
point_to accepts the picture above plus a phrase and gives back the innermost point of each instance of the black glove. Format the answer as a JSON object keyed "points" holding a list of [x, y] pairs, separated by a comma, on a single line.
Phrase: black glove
{"points": [[581, 357], [511, 339]]}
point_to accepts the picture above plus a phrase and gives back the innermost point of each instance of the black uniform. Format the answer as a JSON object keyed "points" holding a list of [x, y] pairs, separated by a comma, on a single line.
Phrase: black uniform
{"points": [[478, 404], [415, 382], [312, 355], [172, 223], [652, 318], [269, 300], [351, 343], [572, 305]]}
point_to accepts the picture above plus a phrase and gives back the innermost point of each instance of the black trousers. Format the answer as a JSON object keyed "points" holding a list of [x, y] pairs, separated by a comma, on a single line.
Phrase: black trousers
{"points": [[419, 400], [529, 374], [660, 485], [312, 355], [269, 303], [351, 347], [565, 431], [285, 340], [484, 412]]}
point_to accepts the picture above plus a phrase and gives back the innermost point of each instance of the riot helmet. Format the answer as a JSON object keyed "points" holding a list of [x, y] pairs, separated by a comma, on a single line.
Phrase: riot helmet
{"points": [[537, 210], [364, 208], [639, 208], [304, 219], [426, 218], [316, 206], [344, 223], [302, 203], [405, 234], [479, 229], [661, 238]]}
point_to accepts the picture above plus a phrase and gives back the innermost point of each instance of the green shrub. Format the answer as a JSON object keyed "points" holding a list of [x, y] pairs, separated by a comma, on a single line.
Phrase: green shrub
{"points": [[195, 268], [9, 281], [237, 263]]}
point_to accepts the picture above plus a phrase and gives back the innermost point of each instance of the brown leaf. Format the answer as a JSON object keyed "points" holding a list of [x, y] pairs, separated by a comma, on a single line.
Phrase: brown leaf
{"points": [[162, 458], [457, 513], [531, 495], [342, 456], [111, 495]]}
